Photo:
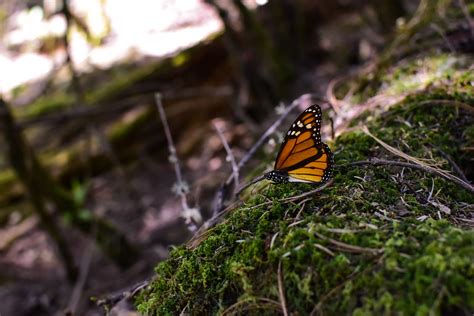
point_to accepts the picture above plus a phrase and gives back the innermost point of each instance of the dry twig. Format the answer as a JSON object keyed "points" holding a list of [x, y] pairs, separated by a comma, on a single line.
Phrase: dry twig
{"points": [[192, 216], [253, 181], [303, 98], [465, 11], [78, 289], [454, 165], [230, 155], [333, 101], [112, 300]]}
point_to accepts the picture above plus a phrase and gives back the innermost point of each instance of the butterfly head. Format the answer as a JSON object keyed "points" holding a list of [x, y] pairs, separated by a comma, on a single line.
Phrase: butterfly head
{"points": [[277, 176]]}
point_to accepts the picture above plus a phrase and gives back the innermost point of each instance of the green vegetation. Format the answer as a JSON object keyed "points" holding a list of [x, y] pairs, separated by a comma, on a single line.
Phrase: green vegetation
{"points": [[380, 240]]}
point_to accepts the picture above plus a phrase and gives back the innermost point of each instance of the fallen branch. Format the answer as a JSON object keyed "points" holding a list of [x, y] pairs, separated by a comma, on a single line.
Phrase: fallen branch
{"points": [[96, 110]]}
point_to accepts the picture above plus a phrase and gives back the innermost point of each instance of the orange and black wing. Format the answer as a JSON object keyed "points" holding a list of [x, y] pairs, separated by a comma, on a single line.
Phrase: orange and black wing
{"points": [[318, 170], [303, 157]]}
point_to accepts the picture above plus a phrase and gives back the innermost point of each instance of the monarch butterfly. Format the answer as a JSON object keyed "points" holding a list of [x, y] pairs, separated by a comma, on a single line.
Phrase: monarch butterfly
{"points": [[302, 156]]}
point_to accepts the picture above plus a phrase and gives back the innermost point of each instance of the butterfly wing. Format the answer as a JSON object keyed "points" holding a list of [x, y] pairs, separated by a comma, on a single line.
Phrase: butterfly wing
{"points": [[319, 170], [302, 155]]}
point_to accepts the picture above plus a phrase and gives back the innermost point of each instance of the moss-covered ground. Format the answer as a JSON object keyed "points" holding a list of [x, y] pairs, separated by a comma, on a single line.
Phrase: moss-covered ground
{"points": [[378, 241]]}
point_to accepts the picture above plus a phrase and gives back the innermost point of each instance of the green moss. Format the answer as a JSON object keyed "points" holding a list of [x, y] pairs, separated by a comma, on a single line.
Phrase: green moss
{"points": [[6, 176], [121, 130], [375, 242], [8, 185], [423, 72], [46, 104]]}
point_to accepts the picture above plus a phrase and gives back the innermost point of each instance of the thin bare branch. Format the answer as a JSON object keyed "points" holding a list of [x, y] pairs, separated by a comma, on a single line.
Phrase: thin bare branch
{"points": [[333, 101], [441, 33], [272, 129], [465, 11], [84, 269], [112, 300], [191, 215], [309, 193], [172, 149], [454, 165], [220, 195], [253, 181], [230, 155]]}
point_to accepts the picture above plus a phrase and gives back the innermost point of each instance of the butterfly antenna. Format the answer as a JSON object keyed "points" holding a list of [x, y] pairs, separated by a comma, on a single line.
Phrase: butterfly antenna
{"points": [[253, 181]]}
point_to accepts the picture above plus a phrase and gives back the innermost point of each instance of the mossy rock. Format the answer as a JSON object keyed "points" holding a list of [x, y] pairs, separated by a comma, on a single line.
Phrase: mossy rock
{"points": [[378, 241]]}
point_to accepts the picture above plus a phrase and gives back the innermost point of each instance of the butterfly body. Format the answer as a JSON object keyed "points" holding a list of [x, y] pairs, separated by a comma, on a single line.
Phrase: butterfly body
{"points": [[302, 156]]}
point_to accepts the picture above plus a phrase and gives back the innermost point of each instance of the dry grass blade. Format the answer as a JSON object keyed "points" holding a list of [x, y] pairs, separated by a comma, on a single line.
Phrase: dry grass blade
{"points": [[281, 290], [433, 171], [309, 193], [252, 303], [395, 151], [417, 162], [347, 247], [297, 197], [326, 250]]}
